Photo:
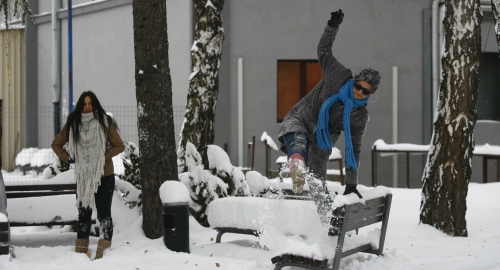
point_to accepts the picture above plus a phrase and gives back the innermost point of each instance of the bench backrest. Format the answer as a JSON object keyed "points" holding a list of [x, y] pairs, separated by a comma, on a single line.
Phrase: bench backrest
{"points": [[359, 215], [22, 191]]}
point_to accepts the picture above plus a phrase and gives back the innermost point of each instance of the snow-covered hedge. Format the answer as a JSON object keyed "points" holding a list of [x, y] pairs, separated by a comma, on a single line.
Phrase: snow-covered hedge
{"points": [[221, 179]]}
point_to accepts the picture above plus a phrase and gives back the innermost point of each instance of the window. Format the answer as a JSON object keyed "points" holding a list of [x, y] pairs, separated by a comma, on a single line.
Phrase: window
{"points": [[296, 78], [489, 86]]}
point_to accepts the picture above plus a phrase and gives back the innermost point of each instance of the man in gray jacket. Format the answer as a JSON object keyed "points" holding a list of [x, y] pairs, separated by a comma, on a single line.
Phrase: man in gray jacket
{"points": [[337, 103]]}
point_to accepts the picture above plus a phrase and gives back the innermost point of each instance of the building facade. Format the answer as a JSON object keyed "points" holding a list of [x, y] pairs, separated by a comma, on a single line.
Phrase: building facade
{"points": [[397, 38]]}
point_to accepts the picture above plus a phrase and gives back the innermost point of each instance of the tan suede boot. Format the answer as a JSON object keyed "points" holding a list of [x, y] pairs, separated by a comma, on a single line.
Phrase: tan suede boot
{"points": [[101, 246], [82, 245], [297, 172]]}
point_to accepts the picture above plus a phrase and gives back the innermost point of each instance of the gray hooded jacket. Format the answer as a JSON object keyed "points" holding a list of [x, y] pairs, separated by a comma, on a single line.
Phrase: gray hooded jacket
{"points": [[303, 117]]}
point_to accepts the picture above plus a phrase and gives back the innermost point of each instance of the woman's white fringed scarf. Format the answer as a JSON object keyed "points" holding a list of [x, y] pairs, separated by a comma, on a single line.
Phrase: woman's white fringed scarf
{"points": [[88, 153]]}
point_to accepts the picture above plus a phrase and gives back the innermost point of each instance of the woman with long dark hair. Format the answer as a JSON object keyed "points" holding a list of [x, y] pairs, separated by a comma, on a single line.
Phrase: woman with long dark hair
{"points": [[93, 139]]}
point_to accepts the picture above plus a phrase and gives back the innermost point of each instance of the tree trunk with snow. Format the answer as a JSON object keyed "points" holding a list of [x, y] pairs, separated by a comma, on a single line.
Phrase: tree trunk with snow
{"points": [[495, 7], [198, 126], [449, 164], [158, 160]]}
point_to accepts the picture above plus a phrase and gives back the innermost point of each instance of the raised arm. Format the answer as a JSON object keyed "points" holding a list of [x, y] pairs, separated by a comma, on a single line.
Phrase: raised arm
{"points": [[326, 59]]}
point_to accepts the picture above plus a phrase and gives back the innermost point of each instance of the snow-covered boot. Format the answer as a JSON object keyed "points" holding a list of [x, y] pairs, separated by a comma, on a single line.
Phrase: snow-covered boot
{"points": [[102, 245], [82, 245], [298, 168]]}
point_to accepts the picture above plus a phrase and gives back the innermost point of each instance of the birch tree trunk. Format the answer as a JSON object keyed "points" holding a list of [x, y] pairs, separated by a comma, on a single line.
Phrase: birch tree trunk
{"points": [[495, 7], [198, 126], [157, 158], [448, 170]]}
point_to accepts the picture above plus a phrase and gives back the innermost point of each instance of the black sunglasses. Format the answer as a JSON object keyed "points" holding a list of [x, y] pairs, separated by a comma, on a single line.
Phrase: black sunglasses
{"points": [[366, 92]]}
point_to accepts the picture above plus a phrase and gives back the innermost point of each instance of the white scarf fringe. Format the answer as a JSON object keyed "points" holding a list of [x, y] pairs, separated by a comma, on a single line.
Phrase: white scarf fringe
{"points": [[89, 158]]}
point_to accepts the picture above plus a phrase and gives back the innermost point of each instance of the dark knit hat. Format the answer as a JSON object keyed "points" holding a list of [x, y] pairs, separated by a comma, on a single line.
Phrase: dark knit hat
{"points": [[370, 76]]}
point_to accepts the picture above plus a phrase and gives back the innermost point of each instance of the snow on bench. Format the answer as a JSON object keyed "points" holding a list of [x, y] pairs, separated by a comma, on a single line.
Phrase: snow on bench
{"points": [[43, 202], [254, 215]]}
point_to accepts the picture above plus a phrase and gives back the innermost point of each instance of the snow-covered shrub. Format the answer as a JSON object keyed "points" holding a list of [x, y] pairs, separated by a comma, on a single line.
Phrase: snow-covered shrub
{"points": [[131, 175], [130, 194], [222, 179], [259, 183], [221, 166]]}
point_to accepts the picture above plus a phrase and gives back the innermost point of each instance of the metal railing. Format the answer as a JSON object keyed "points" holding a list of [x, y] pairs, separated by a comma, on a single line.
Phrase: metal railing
{"points": [[402, 165], [36, 131]]}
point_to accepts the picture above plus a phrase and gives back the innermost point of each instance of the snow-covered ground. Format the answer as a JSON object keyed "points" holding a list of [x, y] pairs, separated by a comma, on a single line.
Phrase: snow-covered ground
{"points": [[409, 245]]}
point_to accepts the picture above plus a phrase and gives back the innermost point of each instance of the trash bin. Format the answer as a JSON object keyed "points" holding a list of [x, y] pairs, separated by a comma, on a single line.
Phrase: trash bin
{"points": [[176, 226]]}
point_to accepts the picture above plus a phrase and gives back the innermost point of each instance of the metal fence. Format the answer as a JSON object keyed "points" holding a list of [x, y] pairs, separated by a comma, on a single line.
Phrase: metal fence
{"points": [[404, 169], [36, 133]]}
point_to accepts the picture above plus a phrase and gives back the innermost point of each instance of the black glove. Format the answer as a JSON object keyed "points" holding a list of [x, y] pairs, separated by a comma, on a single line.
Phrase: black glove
{"points": [[336, 19], [350, 188], [71, 160]]}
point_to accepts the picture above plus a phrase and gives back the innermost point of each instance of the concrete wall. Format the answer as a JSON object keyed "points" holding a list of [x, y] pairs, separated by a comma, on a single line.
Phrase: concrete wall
{"points": [[103, 55], [263, 32], [377, 34]]}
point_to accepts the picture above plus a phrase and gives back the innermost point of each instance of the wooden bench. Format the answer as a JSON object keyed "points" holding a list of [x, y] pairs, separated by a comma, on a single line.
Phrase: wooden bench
{"points": [[4, 235], [43, 202], [243, 217], [346, 218]]}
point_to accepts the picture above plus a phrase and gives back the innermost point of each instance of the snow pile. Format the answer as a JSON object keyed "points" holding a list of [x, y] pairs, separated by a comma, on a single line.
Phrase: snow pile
{"points": [[258, 183], [43, 157], [382, 146], [335, 154], [67, 177], [269, 141], [25, 156], [174, 192], [256, 213], [487, 150], [3, 218]]}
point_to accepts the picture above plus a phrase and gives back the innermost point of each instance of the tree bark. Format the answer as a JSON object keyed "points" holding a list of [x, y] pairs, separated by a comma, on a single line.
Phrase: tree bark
{"points": [[495, 7], [158, 160], [198, 127], [449, 164]]}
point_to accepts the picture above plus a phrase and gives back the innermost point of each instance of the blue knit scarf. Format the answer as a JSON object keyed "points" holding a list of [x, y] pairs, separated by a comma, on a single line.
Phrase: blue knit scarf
{"points": [[323, 137]]}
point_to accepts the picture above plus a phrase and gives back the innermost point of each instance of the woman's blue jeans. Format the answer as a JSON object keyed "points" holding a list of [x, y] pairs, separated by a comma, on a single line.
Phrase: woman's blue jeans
{"points": [[296, 143]]}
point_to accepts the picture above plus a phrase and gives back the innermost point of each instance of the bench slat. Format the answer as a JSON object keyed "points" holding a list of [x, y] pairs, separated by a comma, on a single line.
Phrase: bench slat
{"points": [[368, 203], [4, 236], [40, 187], [52, 223], [367, 212], [13, 195], [4, 226], [363, 223]]}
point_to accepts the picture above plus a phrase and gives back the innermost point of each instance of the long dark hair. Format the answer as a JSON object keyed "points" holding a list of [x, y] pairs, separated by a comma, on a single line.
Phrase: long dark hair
{"points": [[75, 118]]}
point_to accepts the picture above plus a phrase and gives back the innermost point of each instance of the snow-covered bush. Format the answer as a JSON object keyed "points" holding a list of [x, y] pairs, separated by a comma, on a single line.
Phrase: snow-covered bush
{"points": [[221, 166], [130, 157], [259, 183], [54, 169], [222, 180]]}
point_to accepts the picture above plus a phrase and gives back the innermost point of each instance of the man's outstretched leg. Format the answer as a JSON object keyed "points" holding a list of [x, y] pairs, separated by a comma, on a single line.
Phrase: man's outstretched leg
{"points": [[298, 169], [296, 145]]}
